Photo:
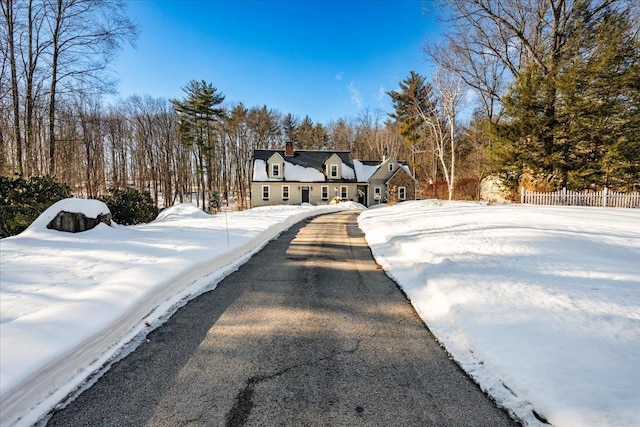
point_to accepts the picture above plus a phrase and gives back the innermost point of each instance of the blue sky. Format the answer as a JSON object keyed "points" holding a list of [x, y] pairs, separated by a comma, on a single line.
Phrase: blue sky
{"points": [[323, 58]]}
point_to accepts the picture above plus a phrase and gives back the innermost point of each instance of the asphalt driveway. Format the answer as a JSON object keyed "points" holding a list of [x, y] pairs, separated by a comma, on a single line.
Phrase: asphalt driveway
{"points": [[309, 332]]}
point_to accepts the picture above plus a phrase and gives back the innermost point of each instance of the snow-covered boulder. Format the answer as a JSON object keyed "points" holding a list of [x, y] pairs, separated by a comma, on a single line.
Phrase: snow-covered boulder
{"points": [[76, 222], [73, 215]]}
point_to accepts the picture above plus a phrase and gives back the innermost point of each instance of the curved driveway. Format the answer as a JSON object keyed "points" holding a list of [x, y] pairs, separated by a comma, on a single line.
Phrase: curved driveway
{"points": [[309, 332]]}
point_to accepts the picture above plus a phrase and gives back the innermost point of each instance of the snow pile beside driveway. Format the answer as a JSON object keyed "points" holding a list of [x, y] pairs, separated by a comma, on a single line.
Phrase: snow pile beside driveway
{"points": [[540, 305], [70, 302]]}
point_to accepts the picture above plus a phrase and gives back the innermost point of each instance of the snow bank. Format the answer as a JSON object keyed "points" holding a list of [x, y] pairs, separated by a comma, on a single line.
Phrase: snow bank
{"points": [[540, 305], [181, 211], [349, 205], [70, 302]]}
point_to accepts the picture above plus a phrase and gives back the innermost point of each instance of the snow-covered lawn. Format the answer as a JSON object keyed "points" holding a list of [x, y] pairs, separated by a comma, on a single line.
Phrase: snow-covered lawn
{"points": [[540, 305], [70, 302]]}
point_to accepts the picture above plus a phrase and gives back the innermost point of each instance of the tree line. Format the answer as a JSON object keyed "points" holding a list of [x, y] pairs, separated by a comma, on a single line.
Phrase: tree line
{"points": [[186, 150], [556, 87], [52, 51]]}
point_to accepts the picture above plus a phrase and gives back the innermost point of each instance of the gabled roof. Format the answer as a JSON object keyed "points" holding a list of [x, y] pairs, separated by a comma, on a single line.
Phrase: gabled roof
{"points": [[403, 168], [308, 159], [373, 169], [316, 159]]}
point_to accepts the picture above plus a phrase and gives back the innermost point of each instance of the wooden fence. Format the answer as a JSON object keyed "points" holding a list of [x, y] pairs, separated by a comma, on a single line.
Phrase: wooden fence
{"points": [[577, 198]]}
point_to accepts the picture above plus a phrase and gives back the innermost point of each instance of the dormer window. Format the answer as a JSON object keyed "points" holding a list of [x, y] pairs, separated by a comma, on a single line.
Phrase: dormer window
{"points": [[333, 171], [275, 170], [390, 167]]}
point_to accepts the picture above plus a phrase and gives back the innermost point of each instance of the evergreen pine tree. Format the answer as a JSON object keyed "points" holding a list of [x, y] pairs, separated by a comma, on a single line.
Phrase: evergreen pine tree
{"points": [[196, 112], [289, 124], [304, 134], [591, 139], [415, 95]]}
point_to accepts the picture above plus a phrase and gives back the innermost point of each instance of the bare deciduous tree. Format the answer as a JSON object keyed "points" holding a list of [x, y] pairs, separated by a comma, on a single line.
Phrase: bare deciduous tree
{"points": [[84, 35], [444, 128], [9, 14]]}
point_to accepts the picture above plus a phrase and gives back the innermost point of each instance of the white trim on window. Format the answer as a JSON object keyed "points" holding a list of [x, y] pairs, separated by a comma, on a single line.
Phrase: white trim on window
{"points": [[333, 171], [265, 192], [344, 192], [275, 170], [390, 167], [402, 193], [325, 192], [285, 192], [377, 193]]}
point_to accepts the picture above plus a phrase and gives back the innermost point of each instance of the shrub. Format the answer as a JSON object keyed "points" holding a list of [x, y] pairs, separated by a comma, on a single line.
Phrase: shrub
{"points": [[23, 200], [130, 206], [215, 201], [467, 189]]}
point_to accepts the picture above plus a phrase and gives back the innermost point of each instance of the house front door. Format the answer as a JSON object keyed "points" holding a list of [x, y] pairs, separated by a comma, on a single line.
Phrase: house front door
{"points": [[305, 194], [362, 195]]}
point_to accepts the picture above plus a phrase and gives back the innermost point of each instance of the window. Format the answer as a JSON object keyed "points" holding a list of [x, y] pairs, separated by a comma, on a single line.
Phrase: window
{"points": [[402, 193], [265, 192], [343, 193], [377, 193], [275, 170], [325, 192], [285, 192], [390, 167], [333, 171]]}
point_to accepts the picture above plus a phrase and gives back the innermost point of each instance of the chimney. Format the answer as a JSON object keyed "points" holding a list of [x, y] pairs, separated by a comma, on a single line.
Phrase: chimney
{"points": [[288, 149]]}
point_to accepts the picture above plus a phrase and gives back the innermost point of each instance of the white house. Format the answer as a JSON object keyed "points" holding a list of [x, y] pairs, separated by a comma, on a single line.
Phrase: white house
{"points": [[303, 176]]}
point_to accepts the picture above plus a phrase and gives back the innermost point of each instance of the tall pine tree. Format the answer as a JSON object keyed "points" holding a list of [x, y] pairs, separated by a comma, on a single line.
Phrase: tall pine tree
{"points": [[196, 113], [412, 104]]}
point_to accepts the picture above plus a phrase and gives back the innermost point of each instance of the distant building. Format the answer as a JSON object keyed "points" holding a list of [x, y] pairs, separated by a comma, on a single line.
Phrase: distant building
{"points": [[294, 177]]}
